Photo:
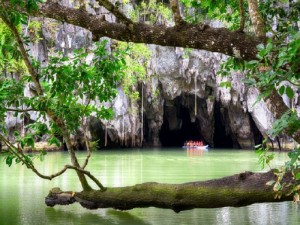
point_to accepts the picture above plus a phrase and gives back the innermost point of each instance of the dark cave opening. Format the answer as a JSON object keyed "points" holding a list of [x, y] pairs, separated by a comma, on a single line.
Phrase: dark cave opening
{"points": [[186, 130], [222, 137], [258, 137]]}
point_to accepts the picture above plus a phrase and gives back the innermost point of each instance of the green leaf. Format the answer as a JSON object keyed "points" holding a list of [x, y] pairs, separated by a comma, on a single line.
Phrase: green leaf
{"points": [[260, 46], [42, 156], [28, 159], [252, 62], [43, 152], [9, 160], [22, 144], [289, 92], [297, 176], [281, 90], [269, 47], [54, 140]]}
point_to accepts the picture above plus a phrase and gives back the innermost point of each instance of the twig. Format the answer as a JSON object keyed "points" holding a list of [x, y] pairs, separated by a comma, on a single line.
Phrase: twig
{"points": [[21, 110], [85, 138], [20, 155], [115, 10], [256, 19], [242, 15]]}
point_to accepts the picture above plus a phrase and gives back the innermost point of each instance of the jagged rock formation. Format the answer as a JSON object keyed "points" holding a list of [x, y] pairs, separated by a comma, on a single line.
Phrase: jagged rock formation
{"points": [[182, 99]]}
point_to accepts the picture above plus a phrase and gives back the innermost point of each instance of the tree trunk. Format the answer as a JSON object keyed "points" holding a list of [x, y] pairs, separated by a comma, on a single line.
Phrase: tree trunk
{"points": [[276, 105], [236, 191]]}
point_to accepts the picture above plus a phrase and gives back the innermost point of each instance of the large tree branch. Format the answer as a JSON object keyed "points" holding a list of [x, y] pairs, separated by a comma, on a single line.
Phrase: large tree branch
{"points": [[197, 36], [237, 190]]}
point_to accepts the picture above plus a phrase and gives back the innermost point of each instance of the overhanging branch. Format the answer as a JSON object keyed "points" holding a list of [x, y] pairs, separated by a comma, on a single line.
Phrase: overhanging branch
{"points": [[197, 36]]}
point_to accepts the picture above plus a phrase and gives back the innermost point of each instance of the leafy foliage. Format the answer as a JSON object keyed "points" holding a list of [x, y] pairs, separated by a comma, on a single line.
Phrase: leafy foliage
{"points": [[73, 88], [226, 12], [292, 167], [289, 122], [88, 84], [264, 157], [151, 11], [135, 71], [10, 58], [277, 65]]}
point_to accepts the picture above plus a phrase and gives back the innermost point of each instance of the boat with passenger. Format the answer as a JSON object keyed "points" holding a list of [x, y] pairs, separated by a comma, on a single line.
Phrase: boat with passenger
{"points": [[198, 145]]}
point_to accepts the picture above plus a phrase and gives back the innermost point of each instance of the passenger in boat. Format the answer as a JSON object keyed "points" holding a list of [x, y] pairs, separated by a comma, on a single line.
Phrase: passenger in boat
{"points": [[191, 143]]}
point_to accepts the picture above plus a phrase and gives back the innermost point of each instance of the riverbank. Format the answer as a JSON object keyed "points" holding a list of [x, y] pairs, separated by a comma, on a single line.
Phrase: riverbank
{"points": [[39, 146]]}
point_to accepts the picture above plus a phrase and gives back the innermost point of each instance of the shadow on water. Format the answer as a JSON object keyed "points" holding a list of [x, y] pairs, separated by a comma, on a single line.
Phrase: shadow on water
{"points": [[102, 216]]}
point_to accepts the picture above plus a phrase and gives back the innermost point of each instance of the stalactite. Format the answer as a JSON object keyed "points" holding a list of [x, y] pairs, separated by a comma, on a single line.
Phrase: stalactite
{"points": [[133, 134], [123, 131], [195, 95], [142, 113], [105, 140]]}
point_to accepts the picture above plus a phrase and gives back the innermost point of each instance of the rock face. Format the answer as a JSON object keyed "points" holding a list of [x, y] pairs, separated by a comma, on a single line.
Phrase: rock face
{"points": [[181, 100], [195, 106]]}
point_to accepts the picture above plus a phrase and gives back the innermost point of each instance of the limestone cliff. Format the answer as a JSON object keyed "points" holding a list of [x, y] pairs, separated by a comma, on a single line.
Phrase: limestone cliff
{"points": [[181, 100]]}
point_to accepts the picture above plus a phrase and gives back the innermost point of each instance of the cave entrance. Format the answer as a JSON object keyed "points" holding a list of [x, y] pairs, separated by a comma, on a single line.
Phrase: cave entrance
{"points": [[181, 129], [258, 137], [222, 134]]}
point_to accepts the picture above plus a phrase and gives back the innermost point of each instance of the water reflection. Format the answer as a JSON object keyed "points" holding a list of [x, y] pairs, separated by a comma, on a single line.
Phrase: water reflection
{"points": [[103, 217], [22, 193], [192, 152]]}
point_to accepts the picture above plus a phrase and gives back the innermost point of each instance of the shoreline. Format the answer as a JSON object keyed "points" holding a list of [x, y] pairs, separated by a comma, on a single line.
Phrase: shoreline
{"points": [[39, 146]]}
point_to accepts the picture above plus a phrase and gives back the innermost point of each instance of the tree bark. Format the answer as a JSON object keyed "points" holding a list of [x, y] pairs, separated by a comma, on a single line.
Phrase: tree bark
{"points": [[236, 191], [256, 18]]}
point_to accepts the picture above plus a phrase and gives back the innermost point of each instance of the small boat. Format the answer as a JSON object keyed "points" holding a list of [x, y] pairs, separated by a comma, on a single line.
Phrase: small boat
{"points": [[204, 147]]}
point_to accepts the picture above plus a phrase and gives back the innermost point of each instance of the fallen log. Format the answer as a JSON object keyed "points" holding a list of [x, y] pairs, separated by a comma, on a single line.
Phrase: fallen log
{"points": [[236, 191]]}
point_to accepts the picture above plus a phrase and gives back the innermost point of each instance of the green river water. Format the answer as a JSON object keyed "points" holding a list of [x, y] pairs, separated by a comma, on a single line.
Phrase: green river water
{"points": [[22, 193]]}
